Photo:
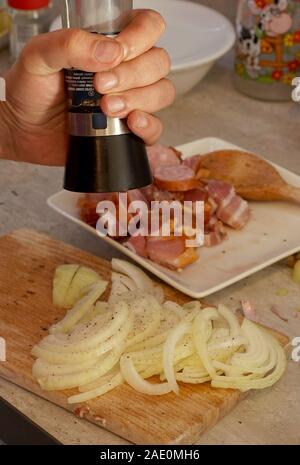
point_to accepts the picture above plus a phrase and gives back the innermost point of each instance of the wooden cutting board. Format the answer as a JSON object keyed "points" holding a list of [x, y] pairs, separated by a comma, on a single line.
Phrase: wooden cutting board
{"points": [[28, 260]]}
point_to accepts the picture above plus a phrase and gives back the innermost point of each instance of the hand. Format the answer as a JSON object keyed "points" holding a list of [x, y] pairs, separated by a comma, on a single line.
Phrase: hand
{"points": [[130, 72]]}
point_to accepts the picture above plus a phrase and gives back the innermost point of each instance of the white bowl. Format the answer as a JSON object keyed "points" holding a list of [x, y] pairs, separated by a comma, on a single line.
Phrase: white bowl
{"points": [[195, 38]]}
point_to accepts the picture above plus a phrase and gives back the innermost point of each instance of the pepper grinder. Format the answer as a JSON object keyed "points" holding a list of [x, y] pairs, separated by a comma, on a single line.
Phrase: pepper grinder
{"points": [[104, 155]]}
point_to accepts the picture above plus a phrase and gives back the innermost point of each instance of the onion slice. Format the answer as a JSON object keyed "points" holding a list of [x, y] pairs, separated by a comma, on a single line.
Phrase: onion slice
{"points": [[169, 353], [89, 395], [200, 337], [133, 378], [141, 279], [80, 309]]}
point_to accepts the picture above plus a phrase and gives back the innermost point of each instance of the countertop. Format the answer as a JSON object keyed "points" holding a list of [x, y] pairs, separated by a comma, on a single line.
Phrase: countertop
{"points": [[213, 108]]}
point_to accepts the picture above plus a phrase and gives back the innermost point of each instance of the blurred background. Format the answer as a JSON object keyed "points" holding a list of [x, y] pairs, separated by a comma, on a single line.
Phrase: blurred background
{"points": [[226, 7]]}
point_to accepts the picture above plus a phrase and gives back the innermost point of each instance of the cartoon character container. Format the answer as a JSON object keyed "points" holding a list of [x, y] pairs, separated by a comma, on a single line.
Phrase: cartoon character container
{"points": [[268, 48]]}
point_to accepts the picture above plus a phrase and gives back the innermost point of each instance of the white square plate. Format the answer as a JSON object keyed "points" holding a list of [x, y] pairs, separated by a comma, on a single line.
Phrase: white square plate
{"points": [[272, 234]]}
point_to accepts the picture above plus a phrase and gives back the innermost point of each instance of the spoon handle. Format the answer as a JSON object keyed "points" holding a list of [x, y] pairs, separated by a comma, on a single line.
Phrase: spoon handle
{"points": [[291, 193]]}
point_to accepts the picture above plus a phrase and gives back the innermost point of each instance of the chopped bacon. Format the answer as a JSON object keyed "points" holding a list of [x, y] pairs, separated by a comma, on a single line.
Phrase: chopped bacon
{"points": [[187, 258], [249, 310], [215, 233], [220, 191], [165, 248], [196, 195], [137, 195], [163, 156], [175, 179], [232, 209], [152, 193], [170, 252], [200, 195]]}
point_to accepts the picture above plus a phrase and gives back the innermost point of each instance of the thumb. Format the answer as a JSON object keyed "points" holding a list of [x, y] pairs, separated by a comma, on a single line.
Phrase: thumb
{"points": [[71, 48]]}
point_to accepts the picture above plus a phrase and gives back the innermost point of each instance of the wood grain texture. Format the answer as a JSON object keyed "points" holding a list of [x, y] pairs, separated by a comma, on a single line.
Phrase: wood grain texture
{"points": [[28, 262]]}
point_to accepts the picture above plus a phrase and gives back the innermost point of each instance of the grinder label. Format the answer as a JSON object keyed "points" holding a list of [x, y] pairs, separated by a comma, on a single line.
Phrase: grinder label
{"points": [[80, 87]]}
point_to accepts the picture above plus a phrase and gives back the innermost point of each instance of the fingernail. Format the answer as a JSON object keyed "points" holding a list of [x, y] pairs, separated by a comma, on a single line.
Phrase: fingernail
{"points": [[116, 104], [107, 51], [107, 81], [142, 122]]}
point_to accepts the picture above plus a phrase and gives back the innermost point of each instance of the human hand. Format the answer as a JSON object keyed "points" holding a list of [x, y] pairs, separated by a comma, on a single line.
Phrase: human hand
{"points": [[130, 72]]}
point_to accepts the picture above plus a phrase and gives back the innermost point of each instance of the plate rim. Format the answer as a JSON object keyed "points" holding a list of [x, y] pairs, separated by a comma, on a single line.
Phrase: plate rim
{"points": [[151, 267]]}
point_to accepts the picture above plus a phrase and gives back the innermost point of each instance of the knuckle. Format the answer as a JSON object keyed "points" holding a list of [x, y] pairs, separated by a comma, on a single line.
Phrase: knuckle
{"points": [[72, 39]]}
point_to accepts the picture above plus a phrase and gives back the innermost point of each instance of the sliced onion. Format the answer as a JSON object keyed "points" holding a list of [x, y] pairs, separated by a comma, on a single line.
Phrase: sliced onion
{"points": [[135, 335], [245, 383], [43, 369], [72, 380], [141, 279], [84, 397], [200, 340], [80, 309], [257, 352], [188, 380], [174, 307], [96, 332], [159, 294], [66, 358], [63, 357], [147, 317], [192, 306], [99, 309], [235, 329], [224, 343], [169, 353], [120, 285], [100, 381], [133, 378], [169, 319]]}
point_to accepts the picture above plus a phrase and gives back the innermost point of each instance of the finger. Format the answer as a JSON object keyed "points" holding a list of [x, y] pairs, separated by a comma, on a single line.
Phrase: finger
{"points": [[146, 126], [143, 71], [142, 33], [148, 99], [71, 48]]}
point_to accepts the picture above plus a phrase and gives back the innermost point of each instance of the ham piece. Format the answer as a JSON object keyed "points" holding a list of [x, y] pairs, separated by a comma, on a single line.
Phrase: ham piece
{"points": [[175, 178], [193, 163], [162, 156]]}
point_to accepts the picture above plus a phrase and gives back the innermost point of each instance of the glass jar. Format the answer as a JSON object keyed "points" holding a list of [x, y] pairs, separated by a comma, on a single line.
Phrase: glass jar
{"points": [[29, 18], [268, 48]]}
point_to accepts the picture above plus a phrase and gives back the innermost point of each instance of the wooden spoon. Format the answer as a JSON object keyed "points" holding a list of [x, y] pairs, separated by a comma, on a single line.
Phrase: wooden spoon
{"points": [[252, 177]]}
